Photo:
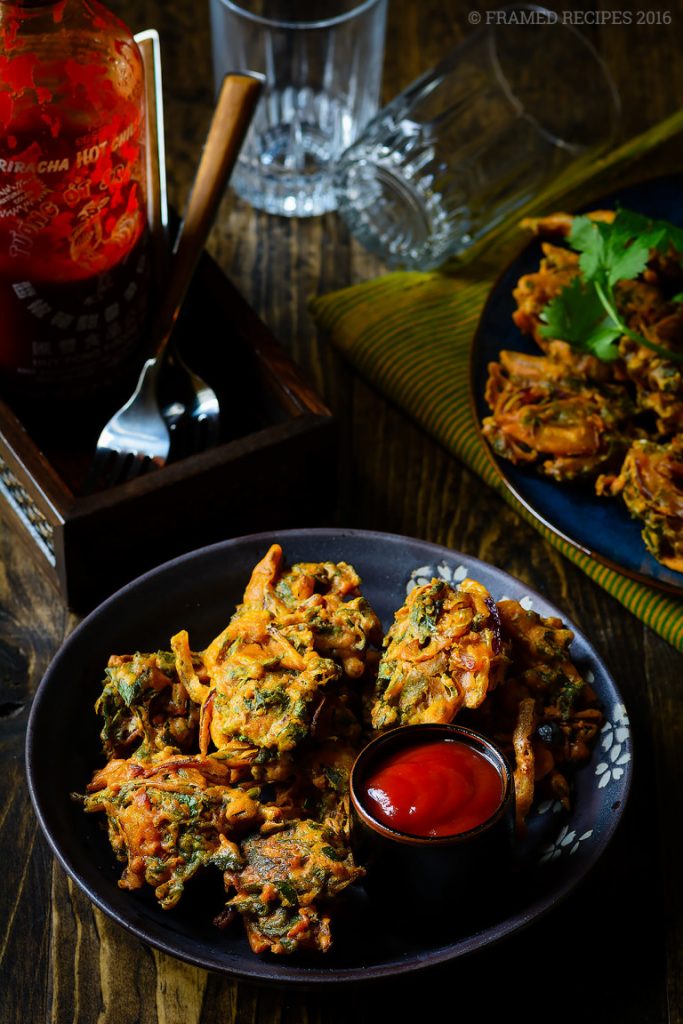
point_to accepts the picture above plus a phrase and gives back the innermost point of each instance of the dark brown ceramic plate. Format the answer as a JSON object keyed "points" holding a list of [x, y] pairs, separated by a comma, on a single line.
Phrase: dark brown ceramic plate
{"points": [[198, 592]]}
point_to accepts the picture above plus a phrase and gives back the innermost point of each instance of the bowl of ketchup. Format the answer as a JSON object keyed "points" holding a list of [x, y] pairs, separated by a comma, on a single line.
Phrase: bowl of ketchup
{"points": [[432, 807]]}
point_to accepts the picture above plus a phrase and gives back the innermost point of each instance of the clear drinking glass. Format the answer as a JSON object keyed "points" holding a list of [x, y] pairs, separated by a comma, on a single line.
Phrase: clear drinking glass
{"points": [[323, 77], [475, 138]]}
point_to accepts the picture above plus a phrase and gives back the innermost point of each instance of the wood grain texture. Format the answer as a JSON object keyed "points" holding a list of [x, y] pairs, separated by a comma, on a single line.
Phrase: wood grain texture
{"points": [[612, 952]]}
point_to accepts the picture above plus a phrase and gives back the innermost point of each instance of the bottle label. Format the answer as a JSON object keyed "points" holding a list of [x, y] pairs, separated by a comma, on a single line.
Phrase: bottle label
{"points": [[71, 331], [73, 266], [73, 208]]}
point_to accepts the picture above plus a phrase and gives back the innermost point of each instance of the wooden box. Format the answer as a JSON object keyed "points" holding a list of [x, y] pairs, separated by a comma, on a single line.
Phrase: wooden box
{"points": [[264, 475]]}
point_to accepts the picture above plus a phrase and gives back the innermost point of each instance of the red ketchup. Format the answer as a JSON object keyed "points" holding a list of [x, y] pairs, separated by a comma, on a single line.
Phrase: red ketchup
{"points": [[441, 788]]}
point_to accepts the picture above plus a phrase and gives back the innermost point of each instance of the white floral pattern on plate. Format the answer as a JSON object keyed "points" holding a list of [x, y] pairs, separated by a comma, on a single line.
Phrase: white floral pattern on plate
{"points": [[615, 743], [567, 841], [615, 735], [423, 575]]}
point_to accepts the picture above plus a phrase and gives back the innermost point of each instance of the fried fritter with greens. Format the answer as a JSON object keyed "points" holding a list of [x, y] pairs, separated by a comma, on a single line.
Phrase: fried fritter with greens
{"points": [[145, 706], [170, 817], [319, 789], [651, 486], [568, 428], [265, 682], [543, 713], [288, 878], [323, 597], [443, 652], [658, 380], [266, 678], [558, 268]]}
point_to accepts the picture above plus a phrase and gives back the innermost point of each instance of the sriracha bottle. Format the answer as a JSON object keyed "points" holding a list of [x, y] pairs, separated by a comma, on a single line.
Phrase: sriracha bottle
{"points": [[74, 269]]}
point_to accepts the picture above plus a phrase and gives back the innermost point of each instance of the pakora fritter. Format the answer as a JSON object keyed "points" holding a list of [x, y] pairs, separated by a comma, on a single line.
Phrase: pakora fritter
{"points": [[651, 486], [286, 877], [443, 652], [558, 267], [295, 633], [323, 597], [265, 678], [266, 681], [170, 817], [145, 706], [568, 427], [658, 382], [544, 714]]}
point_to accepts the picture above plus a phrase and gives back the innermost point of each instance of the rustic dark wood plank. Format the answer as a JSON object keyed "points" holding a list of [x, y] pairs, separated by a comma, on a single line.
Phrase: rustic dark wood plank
{"points": [[32, 623], [661, 672]]}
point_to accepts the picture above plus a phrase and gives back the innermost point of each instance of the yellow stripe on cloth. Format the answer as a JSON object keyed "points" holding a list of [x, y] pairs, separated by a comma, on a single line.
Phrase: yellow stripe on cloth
{"points": [[410, 334]]}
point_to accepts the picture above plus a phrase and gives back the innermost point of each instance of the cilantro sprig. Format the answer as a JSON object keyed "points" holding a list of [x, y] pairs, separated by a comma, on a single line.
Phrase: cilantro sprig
{"points": [[585, 313]]}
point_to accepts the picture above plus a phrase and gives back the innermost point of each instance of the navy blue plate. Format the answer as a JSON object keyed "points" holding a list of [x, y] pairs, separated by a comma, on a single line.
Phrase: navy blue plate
{"points": [[199, 592], [601, 527]]}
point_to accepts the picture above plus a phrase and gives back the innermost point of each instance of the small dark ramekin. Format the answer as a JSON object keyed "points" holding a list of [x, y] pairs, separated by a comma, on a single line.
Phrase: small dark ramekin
{"points": [[428, 874]]}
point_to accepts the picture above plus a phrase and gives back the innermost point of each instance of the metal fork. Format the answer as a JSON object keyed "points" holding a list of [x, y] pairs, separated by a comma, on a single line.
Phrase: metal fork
{"points": [[137, 437], [192, 414]]}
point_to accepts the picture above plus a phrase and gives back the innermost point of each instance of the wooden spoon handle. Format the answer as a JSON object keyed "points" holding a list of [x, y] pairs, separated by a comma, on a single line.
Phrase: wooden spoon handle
{"points": [[155, 153], [232, 116]]}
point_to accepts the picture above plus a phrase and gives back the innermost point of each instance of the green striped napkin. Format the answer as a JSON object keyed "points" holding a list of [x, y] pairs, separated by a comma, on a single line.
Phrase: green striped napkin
{"points": [[410, 334]]}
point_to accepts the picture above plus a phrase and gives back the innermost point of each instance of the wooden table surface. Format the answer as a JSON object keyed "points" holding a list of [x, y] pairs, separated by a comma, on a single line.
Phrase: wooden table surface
{"points": [[612, 951]]}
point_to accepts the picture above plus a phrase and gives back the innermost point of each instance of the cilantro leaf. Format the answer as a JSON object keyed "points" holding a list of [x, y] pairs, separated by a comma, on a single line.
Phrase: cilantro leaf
{"points": [[577, 315], [625, 265], [585, 313], [655, 234], [603, 342], [609, 252], [583, 233], [574, 314], [587, 238]]}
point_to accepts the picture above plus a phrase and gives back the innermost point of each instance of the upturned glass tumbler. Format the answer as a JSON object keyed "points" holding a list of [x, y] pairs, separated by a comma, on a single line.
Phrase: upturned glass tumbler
{"points": [[469, 142], [323, 69]]}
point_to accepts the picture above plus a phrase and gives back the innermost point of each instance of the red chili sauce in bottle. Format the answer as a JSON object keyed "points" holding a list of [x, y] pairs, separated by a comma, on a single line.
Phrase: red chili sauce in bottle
{"points": [[439, 788], [73, 227]]}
